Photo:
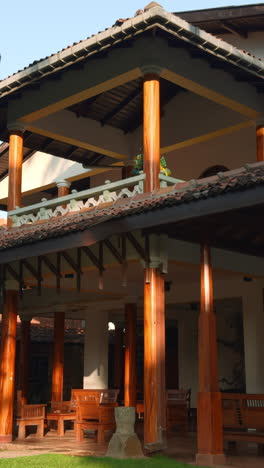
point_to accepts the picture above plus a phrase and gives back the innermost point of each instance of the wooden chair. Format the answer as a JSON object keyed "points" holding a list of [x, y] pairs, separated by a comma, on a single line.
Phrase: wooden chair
{"points": [[178, 408], [62, 411], [94, 417], [31, 415]]}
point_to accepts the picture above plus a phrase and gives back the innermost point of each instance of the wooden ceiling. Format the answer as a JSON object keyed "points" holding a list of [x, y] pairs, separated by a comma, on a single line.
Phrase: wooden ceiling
{"points": [[122, 107]]}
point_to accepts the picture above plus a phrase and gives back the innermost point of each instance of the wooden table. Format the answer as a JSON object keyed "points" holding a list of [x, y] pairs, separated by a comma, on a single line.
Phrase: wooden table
{"points": [[60, 418]]}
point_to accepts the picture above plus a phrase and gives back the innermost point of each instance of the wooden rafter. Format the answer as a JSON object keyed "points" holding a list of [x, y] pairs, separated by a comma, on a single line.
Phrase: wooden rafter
{"points": [[121, 105]]}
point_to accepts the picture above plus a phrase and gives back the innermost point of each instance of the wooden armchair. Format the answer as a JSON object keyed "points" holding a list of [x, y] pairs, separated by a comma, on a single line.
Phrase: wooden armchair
{"points": [[94, 417], [61, 411], [31, 415]]}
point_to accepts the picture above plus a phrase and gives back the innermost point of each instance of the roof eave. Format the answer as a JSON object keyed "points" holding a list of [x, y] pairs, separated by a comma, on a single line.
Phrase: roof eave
{"points": [[155, 17]]}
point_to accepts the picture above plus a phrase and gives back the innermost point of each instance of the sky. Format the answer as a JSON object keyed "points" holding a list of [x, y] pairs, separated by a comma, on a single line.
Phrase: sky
{"points": [[33, 29]]}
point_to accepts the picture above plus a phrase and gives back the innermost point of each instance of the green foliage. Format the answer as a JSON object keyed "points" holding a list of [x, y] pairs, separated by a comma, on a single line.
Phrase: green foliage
{"points": [[138, 165]]}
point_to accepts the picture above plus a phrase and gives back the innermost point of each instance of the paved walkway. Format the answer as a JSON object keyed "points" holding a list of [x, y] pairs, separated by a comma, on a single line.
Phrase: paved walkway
{"points": [[180, 448]]}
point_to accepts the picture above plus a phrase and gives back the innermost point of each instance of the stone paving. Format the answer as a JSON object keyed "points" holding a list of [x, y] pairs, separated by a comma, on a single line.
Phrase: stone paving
{"points": [[180, 448]]}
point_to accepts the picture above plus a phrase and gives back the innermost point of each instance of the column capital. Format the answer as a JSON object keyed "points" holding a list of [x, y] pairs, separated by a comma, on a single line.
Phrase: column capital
{"points": [[11, 285], [151, 69], [62, 183], [16, 126]]}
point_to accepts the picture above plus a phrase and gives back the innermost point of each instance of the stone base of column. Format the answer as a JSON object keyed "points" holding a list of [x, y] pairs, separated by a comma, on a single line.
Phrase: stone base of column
{"points": [[125, 442], [6, 439], [210, 459]]}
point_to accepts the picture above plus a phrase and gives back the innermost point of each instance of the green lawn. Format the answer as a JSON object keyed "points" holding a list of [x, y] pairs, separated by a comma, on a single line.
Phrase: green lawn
{"points": [[62, 461]]}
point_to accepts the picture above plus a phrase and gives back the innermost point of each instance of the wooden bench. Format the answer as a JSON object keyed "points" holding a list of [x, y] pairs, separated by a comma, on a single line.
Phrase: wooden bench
{"points": [[243, 417], [95, 412], [178, 409], [61, 411], [31, 415]]}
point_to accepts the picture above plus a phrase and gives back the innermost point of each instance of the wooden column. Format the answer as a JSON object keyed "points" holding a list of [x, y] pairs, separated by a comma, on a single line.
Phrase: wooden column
{"points": [[24, 359], [209, 403], [118, 358], [260, 142], [14, 170], [154, 361], [151, 131], [63, 187], [58, 357], [7, 361], [130, 355]]}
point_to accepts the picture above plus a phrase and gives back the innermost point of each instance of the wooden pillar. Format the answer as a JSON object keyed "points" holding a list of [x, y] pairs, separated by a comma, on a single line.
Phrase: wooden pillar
{"points": [[151, 131], [63, 187], [130, 355], [260, 142], [118, 358], [7, 361], [14, 170], [24, 359], [154, 361], [58, 357], [209, 403]]}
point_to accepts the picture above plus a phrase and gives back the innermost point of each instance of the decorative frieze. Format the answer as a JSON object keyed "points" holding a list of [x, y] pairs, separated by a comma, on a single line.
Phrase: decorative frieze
{"points": [[77, 201]]}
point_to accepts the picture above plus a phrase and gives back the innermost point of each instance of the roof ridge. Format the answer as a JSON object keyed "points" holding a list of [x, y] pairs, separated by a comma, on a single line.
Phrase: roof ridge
{"points": [[80, 50]]}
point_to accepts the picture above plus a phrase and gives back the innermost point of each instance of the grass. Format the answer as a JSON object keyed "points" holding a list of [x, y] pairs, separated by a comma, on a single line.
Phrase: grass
{"points": [[64, 461]]}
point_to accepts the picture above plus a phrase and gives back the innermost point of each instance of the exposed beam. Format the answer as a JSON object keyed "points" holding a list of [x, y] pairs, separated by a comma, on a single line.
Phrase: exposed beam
{"points": [[206, 137], [75, 142], [209, 94], [82, 95]]}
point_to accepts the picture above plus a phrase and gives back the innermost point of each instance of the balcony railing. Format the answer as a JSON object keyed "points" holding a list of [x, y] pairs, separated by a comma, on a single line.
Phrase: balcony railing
{"points": [[76, 201]]}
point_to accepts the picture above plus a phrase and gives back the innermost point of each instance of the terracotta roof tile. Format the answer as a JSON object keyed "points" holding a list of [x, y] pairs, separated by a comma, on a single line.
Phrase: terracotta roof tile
{"points": [[194, 190]]}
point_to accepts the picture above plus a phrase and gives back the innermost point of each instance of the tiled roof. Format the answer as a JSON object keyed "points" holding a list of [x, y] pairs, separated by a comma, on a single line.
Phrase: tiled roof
{"points": [[181, 193], [43, 332], [122, 29]]}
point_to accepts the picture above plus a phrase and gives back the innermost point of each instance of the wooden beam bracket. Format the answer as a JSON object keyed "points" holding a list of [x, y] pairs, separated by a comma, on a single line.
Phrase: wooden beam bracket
{"points": [[140, 250], [93, 258], [114, 251]]}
